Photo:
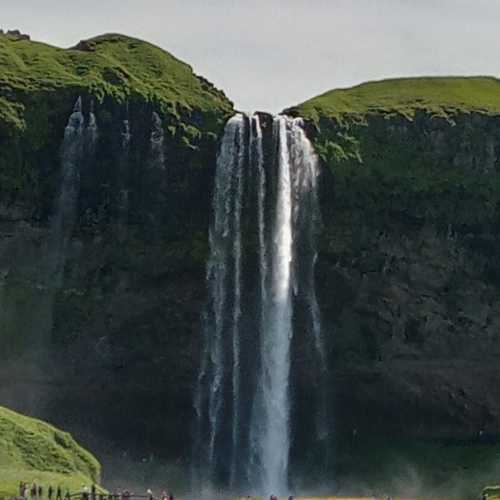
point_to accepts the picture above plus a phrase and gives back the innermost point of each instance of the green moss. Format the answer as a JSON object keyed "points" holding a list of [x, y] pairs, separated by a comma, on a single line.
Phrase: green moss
{"points": [[108, 66], [121, 76], [390, 146], [34, 450], [491, 492], [440, 96]]}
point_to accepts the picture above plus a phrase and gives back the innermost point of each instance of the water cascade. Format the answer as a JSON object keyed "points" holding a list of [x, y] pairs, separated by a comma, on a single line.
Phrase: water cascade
{"points": [[260, 276], [41, 276], [157, 142], [123, 201], [79, 140]]}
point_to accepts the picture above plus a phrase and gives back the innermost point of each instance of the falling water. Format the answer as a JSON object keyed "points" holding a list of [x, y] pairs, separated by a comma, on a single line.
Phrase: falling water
{"points": [[123, 201], [78, 145], [220, 261], [92, 131], [274, 442], [307, 221], [236, 215], [266, 214], [126, 135], [157, 140], [72, 152]]}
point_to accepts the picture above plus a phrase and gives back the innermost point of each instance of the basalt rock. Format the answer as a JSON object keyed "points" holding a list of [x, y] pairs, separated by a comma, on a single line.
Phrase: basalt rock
{"points": [[407, 275]]}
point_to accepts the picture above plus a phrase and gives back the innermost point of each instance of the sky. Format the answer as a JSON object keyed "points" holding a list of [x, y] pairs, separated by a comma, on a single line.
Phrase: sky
{"points": [[271, 54]]}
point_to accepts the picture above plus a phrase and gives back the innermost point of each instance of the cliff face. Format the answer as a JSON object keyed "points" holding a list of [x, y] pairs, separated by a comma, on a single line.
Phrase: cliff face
{"points": [[408, 269], [101, 328], [102, 272]]}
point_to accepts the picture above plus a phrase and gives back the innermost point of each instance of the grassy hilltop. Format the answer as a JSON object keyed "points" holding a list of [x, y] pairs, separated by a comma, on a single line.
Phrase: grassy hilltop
{"points": [[123, 78], [440, 96], [32, 450], [112, 65], [423, 147]]}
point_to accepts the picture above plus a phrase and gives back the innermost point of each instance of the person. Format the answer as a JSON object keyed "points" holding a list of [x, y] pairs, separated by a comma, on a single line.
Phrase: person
{"points": [[149, 493], [93, 492], [34, 490], [40, 492], [164, 495], [85, 493], [50, 492], [59, 493]]}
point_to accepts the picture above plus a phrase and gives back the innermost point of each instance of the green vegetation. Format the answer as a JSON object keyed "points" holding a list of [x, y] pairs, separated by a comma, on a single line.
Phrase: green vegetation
{"points": [[406, 147], [440, 96], [492, 492], [121, 77], [32, 450], [113, 66]]}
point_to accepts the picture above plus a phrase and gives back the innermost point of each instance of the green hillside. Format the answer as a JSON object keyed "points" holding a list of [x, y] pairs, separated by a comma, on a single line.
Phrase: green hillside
{"points": [[406, 146], [436, 95], [110, 65], [32, 450], [121, 77]]}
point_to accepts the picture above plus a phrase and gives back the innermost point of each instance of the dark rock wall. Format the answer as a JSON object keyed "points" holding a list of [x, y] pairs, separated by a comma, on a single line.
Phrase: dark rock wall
{"points": [[408, 273], [407, 279], [121, 351]]}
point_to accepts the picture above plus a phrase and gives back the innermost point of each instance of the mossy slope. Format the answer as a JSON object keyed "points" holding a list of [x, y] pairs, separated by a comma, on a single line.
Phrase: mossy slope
{"points": [[106, 66], [417, 147], [441, 96], [123, 78], [32, 450]]}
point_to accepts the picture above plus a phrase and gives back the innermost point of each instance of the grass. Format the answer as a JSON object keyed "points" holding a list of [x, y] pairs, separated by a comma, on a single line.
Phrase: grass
{"points": [[380, 140], [110, 65], [441, 96], [492, 492], [32, 450], [121, 77]]}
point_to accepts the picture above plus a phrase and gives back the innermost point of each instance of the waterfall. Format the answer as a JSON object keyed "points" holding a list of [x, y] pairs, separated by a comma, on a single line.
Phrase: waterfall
{"points": [[78, 146], [236, 215], [274, 439], [123, 202], [126, 135], [92, 131], [64, 212], [227, 209], [262, 258], [157, 139]]}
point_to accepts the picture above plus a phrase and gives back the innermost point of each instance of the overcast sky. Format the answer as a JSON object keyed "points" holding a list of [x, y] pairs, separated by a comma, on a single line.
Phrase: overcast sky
{"points": [[270, 54]]}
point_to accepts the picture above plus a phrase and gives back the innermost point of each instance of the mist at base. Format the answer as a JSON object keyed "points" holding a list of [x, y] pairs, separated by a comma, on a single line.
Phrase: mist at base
{"points": [[371, 468]]}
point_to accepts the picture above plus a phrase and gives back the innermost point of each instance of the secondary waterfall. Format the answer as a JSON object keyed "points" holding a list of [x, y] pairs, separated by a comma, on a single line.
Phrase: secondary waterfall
{"points": [[260, 277], [156, 141], [78, 140]]}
